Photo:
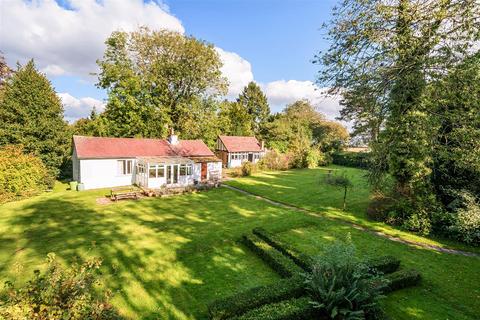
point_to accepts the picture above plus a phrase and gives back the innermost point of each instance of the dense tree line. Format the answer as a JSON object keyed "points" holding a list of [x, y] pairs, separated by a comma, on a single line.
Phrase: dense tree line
{"points": [[403, 68], [156, 80]]}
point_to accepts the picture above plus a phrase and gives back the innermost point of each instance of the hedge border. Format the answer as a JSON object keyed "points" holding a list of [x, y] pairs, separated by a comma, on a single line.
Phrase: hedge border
{"points": [[255, 297], [302, 260], [385, 264], [283, 265], [293, 309], [401, 279]]}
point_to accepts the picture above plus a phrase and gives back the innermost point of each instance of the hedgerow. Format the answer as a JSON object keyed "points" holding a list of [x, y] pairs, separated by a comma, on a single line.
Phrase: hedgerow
{"points": [[293, 309], [352, 159], [385, 264], [283, 265], [401, 279], [255, 297], [301, 259]]}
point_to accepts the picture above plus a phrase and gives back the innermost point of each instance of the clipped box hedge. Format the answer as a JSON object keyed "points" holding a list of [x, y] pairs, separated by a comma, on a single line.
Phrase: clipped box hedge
{"points": [[283, 265], [385, 264], [293, 309], [240, 303], [301, 259], [401, 279]]}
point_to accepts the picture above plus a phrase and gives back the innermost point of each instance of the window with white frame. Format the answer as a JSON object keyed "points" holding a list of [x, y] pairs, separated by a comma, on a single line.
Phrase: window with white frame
{"points": [[124, 167]]}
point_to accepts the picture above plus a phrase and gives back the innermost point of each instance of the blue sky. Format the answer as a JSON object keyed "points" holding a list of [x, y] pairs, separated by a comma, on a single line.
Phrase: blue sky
{"points": [[270, 42]]}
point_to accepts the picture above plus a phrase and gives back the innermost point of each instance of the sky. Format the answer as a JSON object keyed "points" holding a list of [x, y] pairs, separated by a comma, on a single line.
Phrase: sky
{"points": [[271, 42]]}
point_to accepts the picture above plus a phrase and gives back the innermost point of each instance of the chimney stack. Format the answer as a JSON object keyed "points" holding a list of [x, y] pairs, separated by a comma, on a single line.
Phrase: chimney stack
{"points": [[172, 138], [262, 145]]}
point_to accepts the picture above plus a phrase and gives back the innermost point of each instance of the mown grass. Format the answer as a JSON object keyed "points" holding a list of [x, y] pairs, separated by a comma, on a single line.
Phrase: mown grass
{"points": [[306, 188], [166, 258]]}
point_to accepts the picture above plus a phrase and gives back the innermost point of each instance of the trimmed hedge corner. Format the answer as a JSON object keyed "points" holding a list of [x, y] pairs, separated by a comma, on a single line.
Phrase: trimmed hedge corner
{"points": [[401, 279], [385, 265], [283, 265], [293, 309], [240, 303], [301, 259]]}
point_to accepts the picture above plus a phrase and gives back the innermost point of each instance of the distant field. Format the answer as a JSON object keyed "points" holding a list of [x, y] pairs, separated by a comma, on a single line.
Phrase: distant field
{"points": [[166, 258]]}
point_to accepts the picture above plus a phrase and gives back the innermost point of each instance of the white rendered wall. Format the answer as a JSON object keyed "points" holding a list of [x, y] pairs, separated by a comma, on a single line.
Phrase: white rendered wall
{"points": [[214, 166], [103, 173]]}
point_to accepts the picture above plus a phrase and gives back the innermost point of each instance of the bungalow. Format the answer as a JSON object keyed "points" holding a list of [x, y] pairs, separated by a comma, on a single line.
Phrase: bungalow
{"points": [[234, 150], [100, 162]]}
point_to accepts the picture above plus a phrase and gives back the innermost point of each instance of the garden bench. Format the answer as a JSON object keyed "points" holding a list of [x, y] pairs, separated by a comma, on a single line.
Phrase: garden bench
{"points": [[124, 193]]}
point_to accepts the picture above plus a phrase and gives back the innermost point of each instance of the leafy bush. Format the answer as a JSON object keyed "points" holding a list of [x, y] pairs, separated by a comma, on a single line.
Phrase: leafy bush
{"points": [[352, 159], [274, 160], [21, 175], [58, 293], [314, 158], [283, 265], [293, 309], [240, 303], [248, 168], [301, 259], [466, 218], [340, 286]]}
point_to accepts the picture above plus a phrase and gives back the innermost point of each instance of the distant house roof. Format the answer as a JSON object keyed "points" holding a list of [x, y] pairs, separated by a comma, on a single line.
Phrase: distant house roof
{"points": [[108, 148], [240, 144]]}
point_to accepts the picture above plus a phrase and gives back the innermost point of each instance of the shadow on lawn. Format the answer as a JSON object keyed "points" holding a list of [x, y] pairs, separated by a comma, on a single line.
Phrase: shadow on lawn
{"points": [[163, 258]]}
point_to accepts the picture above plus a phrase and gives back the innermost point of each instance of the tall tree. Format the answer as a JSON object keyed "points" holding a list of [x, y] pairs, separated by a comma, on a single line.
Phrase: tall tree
{"points": [[31, 114], [153, 76], [394, 48], [255, 102], [235, 119]]}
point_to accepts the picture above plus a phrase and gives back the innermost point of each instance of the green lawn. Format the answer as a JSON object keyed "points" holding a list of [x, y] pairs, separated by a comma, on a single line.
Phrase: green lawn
{"points": [[306, 189], [166, 258]]}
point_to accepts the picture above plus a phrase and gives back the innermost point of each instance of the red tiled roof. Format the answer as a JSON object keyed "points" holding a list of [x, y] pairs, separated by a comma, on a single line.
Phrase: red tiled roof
{"points": [[240, 144], [102, 147], [192, 148]]}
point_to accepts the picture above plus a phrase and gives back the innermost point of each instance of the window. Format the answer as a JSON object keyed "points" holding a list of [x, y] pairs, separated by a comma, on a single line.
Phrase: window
{"points": [[153, 172], [161, 171], [183, 169], [189, 170], [124, 167]]}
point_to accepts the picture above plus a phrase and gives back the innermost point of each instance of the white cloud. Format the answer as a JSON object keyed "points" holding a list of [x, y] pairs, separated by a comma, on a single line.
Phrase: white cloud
{"points": [[280, 93], [68, 41], [76, 108], [237, 70]]}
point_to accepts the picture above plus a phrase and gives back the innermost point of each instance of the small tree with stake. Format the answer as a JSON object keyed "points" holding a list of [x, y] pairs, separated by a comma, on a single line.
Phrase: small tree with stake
{"points": [[340, 181]]}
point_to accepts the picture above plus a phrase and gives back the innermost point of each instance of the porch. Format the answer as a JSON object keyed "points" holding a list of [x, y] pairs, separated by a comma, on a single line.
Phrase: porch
{"points": [[164, 172]]}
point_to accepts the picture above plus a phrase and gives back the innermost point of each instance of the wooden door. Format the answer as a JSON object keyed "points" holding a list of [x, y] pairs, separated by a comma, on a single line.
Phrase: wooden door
{"points": [[204, 171]]}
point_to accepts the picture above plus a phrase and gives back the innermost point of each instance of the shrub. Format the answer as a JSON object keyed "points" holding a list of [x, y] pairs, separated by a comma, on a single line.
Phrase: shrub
{"points": [[293, 309], [378, 207], [399, 280], [58, 293], [248, 168], [466, 224], [240, 303], [274, 160], [21, 175], [385, 264], [301, 259], [340, 286], [352, 159], [314, 158], [283, 265]]}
